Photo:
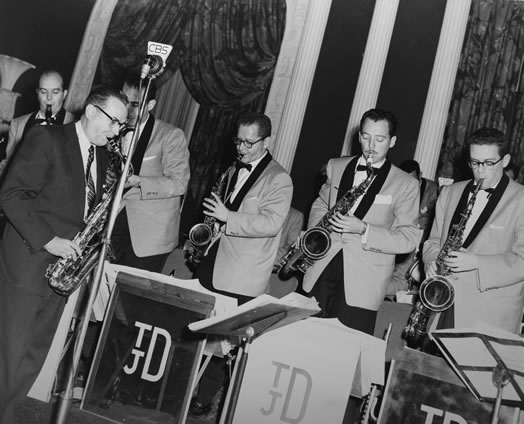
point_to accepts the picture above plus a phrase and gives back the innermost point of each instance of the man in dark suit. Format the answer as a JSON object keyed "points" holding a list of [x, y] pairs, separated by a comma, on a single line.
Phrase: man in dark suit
{"points": [[51, 94], [56, 178], [351, 280], [146, 230]]}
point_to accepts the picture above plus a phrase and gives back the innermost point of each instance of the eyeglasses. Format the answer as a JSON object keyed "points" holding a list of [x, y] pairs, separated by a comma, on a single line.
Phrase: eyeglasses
{"points": [[249, 144], [114, 122], [475, 164]]}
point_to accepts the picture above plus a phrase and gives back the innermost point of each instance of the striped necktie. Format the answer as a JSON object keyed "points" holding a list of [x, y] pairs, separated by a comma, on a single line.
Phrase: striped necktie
{"points": [[89, 180]]}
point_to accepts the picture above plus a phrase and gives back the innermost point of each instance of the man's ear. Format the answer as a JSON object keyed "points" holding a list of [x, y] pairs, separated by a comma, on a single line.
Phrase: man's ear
{"points": [[268, 142], [65, 93], [151, 104], [392, 141], [90, 111], [506, 159]]}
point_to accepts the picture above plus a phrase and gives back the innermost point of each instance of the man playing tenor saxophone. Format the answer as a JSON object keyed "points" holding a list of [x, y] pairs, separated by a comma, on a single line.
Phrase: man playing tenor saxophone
{"points": [[55, 179], [487, 273], [350, 281]]}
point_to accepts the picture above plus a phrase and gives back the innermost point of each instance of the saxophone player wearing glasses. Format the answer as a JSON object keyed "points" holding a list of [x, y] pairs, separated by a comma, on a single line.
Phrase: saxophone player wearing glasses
{"points": [[56, 178], [350, 281], [487, 273]]}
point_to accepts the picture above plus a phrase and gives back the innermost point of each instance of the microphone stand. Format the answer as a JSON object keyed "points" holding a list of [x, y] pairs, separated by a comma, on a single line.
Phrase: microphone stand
{"points": [[66, 397]]}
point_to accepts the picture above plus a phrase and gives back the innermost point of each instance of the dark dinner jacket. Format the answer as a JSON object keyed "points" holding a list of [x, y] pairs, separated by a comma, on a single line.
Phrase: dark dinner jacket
{"points": [[43, 196]]}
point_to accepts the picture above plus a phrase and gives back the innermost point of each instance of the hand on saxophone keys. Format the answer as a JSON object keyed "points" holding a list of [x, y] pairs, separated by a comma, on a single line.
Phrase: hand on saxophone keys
{"points": [[63, 248], [347, 224], [216, 208], [461, 261]]}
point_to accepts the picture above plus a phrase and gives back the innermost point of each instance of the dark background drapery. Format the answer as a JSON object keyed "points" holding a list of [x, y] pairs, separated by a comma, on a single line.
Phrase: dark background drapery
{"points": [[488, 85], [226, 51]]}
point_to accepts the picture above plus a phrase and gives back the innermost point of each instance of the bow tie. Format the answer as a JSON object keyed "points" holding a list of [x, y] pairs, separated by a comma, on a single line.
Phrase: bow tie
{"points": [[365, 168], [40, 121], [489, 191], [240, 165]]}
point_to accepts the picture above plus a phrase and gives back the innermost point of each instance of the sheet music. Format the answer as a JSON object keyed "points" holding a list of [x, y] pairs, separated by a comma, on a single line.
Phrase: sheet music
{"points": [[292, 300]]}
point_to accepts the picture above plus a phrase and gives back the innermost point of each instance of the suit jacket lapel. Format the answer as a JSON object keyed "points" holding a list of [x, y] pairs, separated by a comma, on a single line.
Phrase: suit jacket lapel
{"points": [[488, 210], [235, 205], [142, 143]]}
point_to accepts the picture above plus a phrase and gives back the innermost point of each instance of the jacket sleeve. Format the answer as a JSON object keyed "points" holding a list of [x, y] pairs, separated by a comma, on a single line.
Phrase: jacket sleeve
{"points": [[25, 179], [175, 168], [506, 268]]}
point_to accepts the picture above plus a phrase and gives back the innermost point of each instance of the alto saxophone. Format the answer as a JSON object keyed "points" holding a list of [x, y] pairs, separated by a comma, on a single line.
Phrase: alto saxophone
{"points": [[436, 294], [67, 274], [315, 242], [201, 235]]}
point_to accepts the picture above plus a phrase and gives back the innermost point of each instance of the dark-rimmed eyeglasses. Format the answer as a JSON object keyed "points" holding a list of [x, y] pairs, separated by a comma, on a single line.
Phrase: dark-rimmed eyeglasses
{"points": [[475, 164], [248, 143], [114, 122]]}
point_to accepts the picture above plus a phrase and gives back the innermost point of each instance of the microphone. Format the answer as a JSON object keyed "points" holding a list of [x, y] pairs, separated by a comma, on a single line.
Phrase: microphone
{"points": [[155, 61], [153, 66]]}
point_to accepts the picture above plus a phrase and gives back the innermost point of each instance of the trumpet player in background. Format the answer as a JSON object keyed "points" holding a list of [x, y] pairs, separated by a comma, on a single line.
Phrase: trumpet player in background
{"points": [[350, 281], [57, 177], [487, 273], [51, 93], [146, 229], [250, 213]]}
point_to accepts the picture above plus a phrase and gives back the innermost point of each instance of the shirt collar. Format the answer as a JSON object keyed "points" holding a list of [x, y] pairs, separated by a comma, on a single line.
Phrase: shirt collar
{"points": [[82, 137], [256, 162]]}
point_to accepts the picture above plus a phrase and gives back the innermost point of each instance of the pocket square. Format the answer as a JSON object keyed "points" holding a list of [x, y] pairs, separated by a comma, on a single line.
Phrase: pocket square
{"points": [[496, 227], [383, 199], [148, 158]]}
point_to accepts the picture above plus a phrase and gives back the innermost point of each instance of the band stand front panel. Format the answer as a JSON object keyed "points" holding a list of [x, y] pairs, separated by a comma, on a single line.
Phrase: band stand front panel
{"points": [[146, 360]]}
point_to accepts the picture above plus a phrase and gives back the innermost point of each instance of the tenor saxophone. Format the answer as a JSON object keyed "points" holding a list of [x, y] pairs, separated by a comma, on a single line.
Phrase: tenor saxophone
{"points": [[315, 243], [202, 234], [436, 294], [67, 274]]}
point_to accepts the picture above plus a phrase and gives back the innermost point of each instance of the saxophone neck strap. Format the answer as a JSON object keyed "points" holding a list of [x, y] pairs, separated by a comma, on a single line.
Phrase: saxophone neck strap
{"points": [[373, 190]]}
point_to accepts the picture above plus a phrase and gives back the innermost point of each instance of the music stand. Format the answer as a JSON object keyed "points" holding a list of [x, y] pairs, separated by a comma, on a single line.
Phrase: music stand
{"points": [[248, 322], [498, 362]]}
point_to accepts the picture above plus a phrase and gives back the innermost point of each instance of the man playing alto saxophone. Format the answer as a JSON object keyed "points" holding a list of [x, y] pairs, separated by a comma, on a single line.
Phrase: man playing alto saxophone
{"points": [[55, 180], [251, 213], [487, 273], [350, 281]]}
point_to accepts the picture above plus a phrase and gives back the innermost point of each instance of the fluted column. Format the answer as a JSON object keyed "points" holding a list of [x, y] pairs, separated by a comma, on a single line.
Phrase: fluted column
{"points": [[441, 85], [372, 68], [305, 24], [89, 54]]}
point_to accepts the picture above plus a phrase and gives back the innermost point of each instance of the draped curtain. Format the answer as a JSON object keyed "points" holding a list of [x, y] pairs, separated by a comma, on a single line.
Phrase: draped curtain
{"points": [[488, 85], [226, 51]]}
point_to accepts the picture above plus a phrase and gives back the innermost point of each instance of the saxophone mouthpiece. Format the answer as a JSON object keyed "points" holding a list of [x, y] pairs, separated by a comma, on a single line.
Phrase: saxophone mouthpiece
{"points": [[369, 161], [479, 183]]}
